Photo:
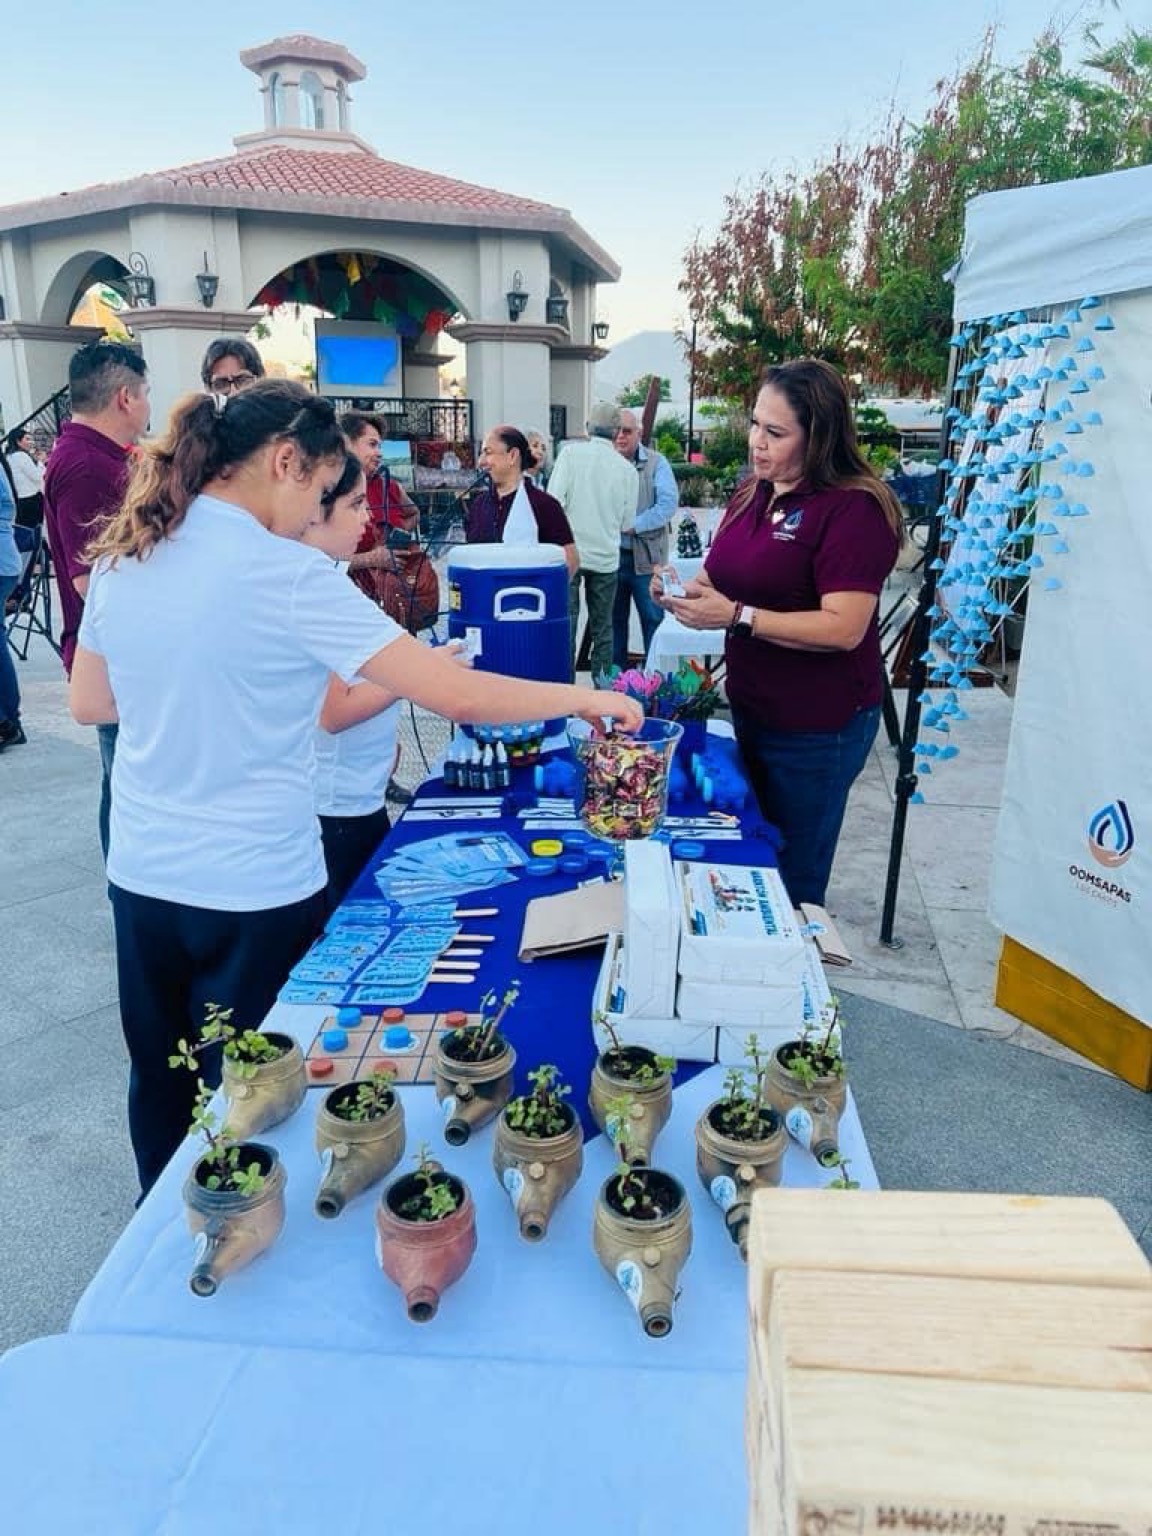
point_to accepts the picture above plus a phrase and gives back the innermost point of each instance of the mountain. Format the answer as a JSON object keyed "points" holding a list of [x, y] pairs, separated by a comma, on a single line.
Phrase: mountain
{"points": [[647, 352]]}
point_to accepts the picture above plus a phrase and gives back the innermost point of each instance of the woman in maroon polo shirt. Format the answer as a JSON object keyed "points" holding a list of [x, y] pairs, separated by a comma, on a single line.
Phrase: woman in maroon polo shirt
{"points": [[794, 574]]}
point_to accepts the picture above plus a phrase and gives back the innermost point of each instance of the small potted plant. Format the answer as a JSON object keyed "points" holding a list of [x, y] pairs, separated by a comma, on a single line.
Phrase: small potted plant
{"points": [[472, 1070], [539, 1150], [843, 1179], [642, 1232], [740, 1143], [806, 1083], [360, 1138], [234, 1194], [639, 1077], [263, 1075], [426, 1225]]}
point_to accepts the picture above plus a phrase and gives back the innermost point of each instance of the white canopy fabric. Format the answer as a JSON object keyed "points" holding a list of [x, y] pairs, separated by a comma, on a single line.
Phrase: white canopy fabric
{"points": [[1054, 244]]}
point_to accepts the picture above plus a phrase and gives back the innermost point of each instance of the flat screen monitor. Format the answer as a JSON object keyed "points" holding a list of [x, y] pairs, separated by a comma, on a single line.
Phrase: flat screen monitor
{"points": [[358, 359]]}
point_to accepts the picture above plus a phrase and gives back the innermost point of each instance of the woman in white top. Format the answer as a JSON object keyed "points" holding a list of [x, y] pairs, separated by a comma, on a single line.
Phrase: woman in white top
{"points": [[355, 742], [210, 634], [27, 477]]}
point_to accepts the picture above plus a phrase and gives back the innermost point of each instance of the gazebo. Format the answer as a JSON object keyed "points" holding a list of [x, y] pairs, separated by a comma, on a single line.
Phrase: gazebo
{"points": [[305, 211]]}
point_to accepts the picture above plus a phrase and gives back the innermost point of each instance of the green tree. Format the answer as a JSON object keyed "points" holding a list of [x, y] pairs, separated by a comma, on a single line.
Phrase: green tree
{"points": [[847, 262], [636, 393]]}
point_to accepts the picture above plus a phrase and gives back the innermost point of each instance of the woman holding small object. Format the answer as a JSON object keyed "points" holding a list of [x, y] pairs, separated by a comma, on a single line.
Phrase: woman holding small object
{"points": [[794, 575], [210, 633], [515, 511]]}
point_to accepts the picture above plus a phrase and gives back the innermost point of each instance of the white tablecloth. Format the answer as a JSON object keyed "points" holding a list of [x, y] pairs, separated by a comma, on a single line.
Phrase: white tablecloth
{"points": [[114, 1436], [672, 641], [320, 1284]]}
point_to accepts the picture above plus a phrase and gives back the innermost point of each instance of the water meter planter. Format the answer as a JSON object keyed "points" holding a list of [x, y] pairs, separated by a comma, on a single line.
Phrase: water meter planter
{"points": [[630, 1097], [642, 1233], [262, 1090], [810, 1094], [232, 1225], [733, 1160], [360, 1139], [426, 1235], [472, 1069], [538, 1153]]}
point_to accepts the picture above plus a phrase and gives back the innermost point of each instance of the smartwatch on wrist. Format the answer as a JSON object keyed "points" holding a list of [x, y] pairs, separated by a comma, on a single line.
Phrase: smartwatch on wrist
{"points": [[742, 623]]}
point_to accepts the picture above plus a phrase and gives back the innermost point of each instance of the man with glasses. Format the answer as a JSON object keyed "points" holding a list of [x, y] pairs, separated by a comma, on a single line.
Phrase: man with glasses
{"points": [[644, 545], [230, 365]]}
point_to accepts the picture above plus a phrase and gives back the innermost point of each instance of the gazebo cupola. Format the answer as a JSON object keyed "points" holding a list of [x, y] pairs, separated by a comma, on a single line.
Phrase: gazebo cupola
{"points": [[304, 82]]}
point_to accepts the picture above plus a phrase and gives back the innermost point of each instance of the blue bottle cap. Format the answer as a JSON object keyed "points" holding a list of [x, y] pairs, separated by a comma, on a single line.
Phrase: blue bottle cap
{"points": [[687, 848], [540, 867], [397, 1037], [334, 1039], [574, 864], [348, 1017], [576, 841]]}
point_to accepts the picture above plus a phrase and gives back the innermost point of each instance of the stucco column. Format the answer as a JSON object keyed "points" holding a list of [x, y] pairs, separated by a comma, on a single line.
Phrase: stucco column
{"points": [[509, 372], [34, 363]]}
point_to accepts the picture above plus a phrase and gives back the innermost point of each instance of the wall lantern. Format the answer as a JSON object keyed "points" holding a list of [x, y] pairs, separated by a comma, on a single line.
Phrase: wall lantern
{"points": [[556, 311], [141, 284], [517, 298], [600, 330], [207, 282]]}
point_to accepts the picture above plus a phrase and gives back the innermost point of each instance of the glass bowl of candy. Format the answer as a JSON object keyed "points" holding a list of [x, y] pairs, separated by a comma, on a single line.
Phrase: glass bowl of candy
{"points": [[522, 742], [622, 784]]}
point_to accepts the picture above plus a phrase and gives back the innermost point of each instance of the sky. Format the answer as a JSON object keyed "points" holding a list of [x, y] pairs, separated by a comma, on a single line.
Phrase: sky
{"points": [[637, 118]]}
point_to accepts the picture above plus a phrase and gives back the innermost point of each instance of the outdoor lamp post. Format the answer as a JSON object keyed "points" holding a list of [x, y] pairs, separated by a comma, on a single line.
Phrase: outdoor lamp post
{"points": [[517, 298], [207, 282], [140, 282]]}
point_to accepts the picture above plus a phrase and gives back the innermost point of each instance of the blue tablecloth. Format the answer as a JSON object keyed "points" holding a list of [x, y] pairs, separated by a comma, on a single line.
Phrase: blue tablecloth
{"points": [[551, 1020]]}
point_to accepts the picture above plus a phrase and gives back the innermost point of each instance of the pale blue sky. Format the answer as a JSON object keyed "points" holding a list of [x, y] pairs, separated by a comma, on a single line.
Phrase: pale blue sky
{"points": [[639, 118]]}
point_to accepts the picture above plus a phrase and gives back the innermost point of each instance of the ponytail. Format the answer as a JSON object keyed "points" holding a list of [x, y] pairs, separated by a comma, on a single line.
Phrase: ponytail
{"points": [[209, 437]]}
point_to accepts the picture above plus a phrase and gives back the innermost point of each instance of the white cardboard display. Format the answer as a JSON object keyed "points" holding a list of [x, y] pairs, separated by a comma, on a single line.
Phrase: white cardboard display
{"points": [[686, 1039], [651, 930], [737, 925]]}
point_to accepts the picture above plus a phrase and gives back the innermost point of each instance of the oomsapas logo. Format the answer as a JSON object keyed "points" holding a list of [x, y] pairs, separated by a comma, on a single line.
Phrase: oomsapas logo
{"points": [[1110, 836]]}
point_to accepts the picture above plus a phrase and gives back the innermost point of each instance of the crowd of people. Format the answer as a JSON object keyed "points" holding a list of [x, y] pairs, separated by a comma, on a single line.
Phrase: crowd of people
{"points": [[240, 603]]}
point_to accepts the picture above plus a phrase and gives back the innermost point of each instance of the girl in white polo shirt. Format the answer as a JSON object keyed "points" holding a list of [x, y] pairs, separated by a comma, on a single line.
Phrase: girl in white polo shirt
{"points": [[355, 742], [210, 634]]}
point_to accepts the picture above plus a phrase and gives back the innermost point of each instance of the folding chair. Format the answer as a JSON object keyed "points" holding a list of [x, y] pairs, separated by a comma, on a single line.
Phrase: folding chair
{"points": [[30, 605]]}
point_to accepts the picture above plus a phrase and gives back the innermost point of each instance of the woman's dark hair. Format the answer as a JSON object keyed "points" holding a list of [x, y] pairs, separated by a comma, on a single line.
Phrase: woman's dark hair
{"points": [[512, 437], [352, 473], [15, 438], [818, 398], [208, 437]]}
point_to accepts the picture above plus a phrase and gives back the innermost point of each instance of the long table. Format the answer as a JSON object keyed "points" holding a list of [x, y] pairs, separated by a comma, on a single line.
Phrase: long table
{"points": [[535, 1362]]}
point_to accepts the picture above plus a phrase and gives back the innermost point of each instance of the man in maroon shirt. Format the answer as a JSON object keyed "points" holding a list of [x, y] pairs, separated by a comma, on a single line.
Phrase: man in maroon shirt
{"points": [[84, 485]]}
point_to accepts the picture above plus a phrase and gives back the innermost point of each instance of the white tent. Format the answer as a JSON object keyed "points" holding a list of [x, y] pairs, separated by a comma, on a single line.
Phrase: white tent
{"points": [[1072, 863]]}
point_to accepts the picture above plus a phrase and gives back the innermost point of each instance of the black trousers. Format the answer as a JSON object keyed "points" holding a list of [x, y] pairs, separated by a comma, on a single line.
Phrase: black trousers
{"points": [[349, 842], [171, 961]]}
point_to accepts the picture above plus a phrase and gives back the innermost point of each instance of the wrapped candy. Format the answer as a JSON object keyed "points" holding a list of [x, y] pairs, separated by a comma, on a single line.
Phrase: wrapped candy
{"points": [[623, 788]]}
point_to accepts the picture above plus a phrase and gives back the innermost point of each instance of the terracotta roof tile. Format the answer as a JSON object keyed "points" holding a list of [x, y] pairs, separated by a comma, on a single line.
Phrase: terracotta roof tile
{"points": [[332, 173]]}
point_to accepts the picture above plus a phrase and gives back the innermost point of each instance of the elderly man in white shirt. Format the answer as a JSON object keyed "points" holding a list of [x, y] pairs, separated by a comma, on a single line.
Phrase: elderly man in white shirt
{"points": [[597, 489]]}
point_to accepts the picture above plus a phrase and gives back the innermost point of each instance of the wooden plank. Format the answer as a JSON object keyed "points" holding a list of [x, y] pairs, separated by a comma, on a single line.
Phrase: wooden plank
{"points": [[866, 1454], [1055, 1241], [975, 1330]]}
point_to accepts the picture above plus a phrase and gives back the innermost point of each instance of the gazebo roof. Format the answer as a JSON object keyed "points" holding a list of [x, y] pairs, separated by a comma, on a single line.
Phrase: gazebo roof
{"points": [[330, 183]]}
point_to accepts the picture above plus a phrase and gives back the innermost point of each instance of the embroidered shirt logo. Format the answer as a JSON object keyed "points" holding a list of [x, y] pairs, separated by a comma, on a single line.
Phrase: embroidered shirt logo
{"points": [[789, 524]]}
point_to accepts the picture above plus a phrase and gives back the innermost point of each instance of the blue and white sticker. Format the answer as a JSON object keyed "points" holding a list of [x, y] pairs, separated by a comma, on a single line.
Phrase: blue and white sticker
{"points": [[327, 1157], [799, 1123], [630, 1280], [513, 1181], [448, 1106], [200, 1246], [723, 1191]]}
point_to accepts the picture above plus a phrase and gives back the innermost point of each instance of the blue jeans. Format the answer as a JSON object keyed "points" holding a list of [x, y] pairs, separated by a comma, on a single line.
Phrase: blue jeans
{"points": [[631, 584], [802, 779], [9, 687]]}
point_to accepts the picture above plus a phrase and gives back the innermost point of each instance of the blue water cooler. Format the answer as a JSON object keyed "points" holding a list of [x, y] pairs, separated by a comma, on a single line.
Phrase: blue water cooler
{"points": [[509, 602]]}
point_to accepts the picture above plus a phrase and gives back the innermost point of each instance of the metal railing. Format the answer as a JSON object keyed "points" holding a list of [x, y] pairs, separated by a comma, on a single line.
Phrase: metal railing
{"points": [[446, 421], [46, 420]]}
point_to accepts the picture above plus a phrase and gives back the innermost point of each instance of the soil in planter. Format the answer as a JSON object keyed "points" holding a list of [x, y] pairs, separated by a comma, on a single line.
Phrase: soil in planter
{"points": [[629, 1062], [823, 1063], [769, 1123], [408, 1197], [662, 1195], [458, 1050], [343, 1100], [567, 1112], [249, 1153]]}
